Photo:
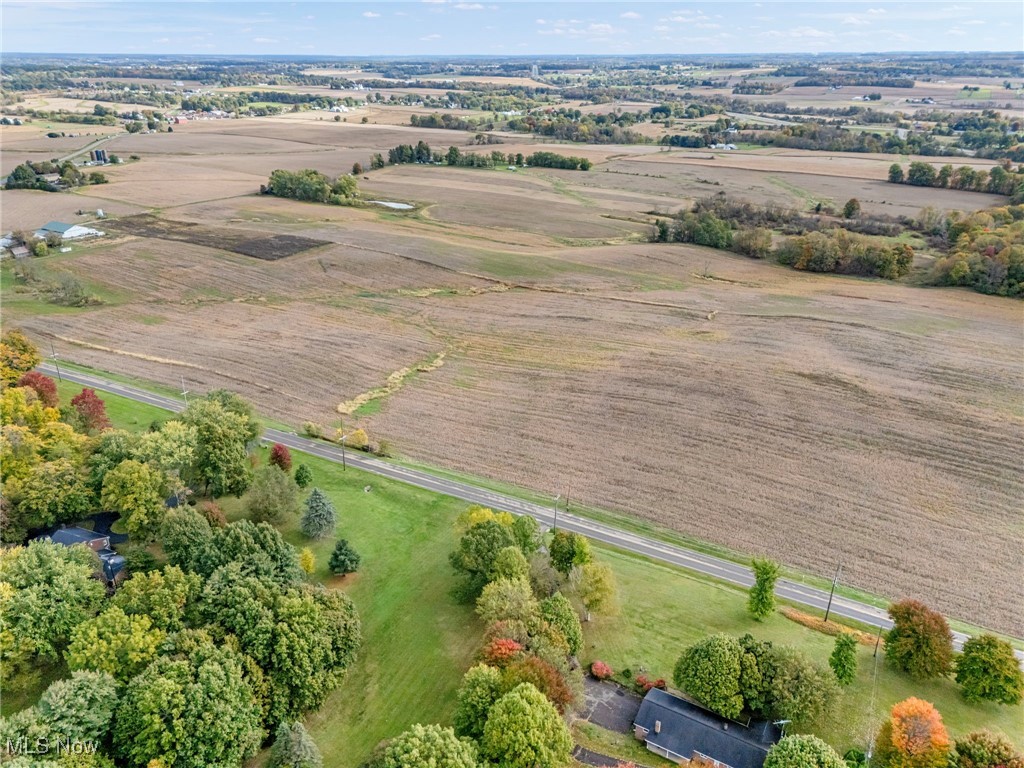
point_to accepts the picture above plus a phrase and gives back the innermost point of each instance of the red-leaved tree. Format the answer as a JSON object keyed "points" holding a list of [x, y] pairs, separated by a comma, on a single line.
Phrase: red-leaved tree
{"points": [[500, 652], [43, 386], [544, 677], [281, 457], [920, 642], [91, 411], [600, 670]]}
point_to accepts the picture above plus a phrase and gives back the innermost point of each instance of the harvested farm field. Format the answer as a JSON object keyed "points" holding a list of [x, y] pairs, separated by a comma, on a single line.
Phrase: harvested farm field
{"points": [[814, 418]]}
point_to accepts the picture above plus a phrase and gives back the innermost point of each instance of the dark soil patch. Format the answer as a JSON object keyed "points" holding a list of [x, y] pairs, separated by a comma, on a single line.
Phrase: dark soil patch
{"points": [[260, 245]]}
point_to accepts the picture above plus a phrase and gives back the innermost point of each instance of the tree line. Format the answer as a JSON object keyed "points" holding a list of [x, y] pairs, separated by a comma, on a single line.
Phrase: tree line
{"points": [[1001, 179], [311, 186], [511, 705], [194, 661]]}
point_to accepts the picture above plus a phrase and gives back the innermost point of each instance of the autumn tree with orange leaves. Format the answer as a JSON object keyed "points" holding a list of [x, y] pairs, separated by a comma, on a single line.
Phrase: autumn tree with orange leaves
{"points": [[913, 737]]}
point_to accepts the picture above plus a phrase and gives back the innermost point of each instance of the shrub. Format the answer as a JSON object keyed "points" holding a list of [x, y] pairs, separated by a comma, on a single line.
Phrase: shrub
{"points": [[312, 429], [803, 752], [213, 513], [645, 683], [344, 559], [303, 476], [357, 439], [600, 671]]}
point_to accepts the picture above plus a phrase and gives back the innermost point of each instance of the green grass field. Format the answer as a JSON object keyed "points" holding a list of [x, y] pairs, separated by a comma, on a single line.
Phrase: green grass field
{"points": [[418, 642]]}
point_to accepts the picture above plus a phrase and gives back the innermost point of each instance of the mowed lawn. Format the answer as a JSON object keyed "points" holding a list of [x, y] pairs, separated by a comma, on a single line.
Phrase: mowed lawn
{"points": [[663, 609]]}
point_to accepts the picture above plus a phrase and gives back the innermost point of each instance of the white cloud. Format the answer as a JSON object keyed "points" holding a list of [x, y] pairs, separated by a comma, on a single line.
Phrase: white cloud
{"points": [[264, 40], [662, 28], [431, 37], [855, 21], [542, 21], [371, 15], [469, 6], [876, 11], [162, 40], [630, 15]]}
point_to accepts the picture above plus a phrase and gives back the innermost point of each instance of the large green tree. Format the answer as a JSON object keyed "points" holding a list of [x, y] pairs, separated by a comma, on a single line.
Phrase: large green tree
{"points": [[273, 496], [761, 601], [919, 642], [803, 752], [801, 690], [524, 730], [81, 707], [46, 590], [115, 643], [54, 492], [568, 550], [843, 660], [164, 596], [481, 688], [477, 550], [984, 749], [221, 463], [302, 639], [559, 613], [709, 671], [510, 564], [508, 600], [137, 492], [187, 538], [189, 710], [429, 746], [595, 586], [988, 670]]}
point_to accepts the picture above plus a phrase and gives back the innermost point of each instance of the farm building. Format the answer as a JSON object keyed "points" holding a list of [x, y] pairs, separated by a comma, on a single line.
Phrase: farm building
{"points": [[66, 231], [691, 735], [112, 564]]}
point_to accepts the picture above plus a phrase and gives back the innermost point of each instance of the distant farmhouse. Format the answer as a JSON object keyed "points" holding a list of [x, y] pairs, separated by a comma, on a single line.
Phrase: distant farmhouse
{"points": [[66, 231], [111, 562], [691, 735]]}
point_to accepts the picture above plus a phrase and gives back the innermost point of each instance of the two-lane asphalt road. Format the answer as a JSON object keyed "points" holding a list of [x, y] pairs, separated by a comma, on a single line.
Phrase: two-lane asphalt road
{"points": [[710, 565]]}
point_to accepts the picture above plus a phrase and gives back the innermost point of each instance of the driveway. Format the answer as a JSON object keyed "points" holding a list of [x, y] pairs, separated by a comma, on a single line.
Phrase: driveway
{"points": [[609, 705]]}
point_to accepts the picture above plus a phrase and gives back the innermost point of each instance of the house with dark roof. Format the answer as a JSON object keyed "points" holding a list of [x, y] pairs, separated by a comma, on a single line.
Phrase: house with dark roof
{"points": [[688, 734], [112, 564]]}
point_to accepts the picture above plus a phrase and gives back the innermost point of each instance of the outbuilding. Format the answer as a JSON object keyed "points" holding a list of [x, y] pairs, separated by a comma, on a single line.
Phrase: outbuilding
{"points": [[66, 231]]}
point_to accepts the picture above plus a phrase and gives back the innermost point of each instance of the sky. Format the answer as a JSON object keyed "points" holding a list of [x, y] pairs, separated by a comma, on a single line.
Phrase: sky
{"points": [[458, 27]]}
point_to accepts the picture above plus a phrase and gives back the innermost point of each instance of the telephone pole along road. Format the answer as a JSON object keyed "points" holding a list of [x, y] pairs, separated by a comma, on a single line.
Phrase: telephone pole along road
{"points": [[708, 565]]}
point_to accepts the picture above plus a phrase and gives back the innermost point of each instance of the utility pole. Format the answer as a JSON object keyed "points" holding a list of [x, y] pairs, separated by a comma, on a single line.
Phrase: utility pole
{"points": [[878, 641], [835, 581], [555, 505], [54, 356], [344, 465], [184, 392]]}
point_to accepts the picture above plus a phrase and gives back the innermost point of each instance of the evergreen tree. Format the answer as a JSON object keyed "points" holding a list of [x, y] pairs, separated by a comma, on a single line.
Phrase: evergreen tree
{"points": [[344, 559], [319, 518], [303, 476], [294, 748]]}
